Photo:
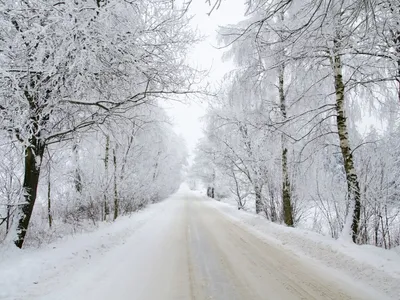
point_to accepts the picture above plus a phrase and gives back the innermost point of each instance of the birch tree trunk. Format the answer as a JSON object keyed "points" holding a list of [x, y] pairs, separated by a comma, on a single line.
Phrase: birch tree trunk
{"points": [[353, 187], [286, 193]]}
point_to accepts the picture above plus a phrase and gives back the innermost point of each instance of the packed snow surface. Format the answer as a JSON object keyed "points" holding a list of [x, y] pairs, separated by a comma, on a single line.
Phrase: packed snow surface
{"points": [[190, 247]]}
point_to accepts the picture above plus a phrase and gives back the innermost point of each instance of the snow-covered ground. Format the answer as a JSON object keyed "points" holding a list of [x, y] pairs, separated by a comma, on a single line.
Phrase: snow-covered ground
{"points": [[191, 247], [375, 267], [30, 273]]}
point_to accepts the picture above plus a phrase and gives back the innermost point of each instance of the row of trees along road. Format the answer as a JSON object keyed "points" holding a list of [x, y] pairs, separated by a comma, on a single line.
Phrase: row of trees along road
{"points": [[81, 80], [307, 124]]}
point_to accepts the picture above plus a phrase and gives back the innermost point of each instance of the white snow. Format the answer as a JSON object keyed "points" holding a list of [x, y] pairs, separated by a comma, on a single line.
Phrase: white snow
{"points": [[376, 268], [132, 251], [22, 272]]}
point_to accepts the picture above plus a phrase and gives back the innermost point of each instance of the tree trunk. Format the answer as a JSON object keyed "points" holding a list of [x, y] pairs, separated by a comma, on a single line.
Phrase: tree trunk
{"points": [[237, 190], [398, 65], [274, 215], [78, 177], [286, 196], [8, 207], [116, 202], [49, 198], [125, 158], [210, 192], [398, 69], [105, 203], [8, 214], [286, 192], [259, 204], [33, 159], [351, 175], [213, 183]]}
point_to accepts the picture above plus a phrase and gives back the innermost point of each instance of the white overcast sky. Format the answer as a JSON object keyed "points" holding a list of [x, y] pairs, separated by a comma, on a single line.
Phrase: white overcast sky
{"points": [[205, 56]]}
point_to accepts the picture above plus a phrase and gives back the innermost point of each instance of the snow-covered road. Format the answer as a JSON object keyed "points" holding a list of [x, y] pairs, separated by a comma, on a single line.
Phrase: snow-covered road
{"points": [[187, 249], [229, 262]]}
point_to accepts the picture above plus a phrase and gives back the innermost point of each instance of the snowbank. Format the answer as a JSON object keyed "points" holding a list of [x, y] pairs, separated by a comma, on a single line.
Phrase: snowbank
{"points": [[24, 271], [376, 267]]}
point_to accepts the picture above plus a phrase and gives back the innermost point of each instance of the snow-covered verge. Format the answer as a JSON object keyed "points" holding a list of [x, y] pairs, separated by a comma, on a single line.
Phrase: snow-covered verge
{"points": [[24, 270], [374, 267]]}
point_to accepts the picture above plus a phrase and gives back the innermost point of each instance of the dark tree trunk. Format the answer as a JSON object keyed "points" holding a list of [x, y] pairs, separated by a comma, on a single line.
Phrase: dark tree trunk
{"points": [[78, 177], [116, 202], [259, 204], [286, 196], [105, 202], [33, 158], [286, 192], [50, 218], [398, 65], [210, 192], [8, 218]]}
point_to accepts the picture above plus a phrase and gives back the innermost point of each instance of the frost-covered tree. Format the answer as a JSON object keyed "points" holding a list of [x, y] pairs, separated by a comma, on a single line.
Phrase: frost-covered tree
{"points": [[145, 165], [316, 68], [69, 66]]}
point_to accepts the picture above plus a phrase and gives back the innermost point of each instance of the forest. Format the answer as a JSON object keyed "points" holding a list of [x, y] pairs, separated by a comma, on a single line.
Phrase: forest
{"points": [[84, 137], [305, 130]]}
